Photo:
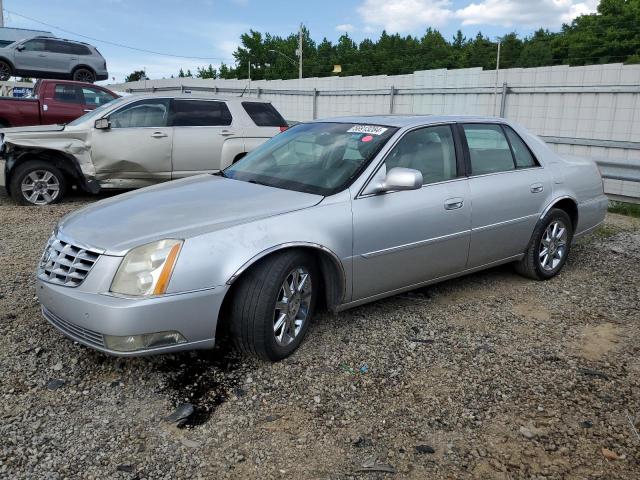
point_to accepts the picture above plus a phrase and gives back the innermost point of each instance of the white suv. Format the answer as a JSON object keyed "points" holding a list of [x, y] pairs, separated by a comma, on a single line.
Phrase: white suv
{"points": [[133, 142]]}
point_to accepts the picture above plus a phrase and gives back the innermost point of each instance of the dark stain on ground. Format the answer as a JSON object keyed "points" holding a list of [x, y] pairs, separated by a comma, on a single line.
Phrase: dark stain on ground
{"points": [[204, 379]]}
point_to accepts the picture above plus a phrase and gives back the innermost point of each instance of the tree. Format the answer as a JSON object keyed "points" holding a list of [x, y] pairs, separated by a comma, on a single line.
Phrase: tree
{"points": [[136, 76], [207, 72]]}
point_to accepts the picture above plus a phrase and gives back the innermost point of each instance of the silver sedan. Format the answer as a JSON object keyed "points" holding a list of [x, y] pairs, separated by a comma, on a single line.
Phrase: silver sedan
{"points": [[339, 212]]}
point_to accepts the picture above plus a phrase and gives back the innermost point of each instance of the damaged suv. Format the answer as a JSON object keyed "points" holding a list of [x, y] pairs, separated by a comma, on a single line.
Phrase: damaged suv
{"points": [[132, 142]]}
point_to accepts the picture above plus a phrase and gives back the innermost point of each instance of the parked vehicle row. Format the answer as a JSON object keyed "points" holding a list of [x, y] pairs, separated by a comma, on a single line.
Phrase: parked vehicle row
{"points": [[348, 209], [133, 142], [53, 58], [53, 102]]}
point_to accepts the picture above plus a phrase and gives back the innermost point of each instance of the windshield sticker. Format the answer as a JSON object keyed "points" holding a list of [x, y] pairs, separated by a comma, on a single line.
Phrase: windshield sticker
{"points": [[368, 138], [370, 129]]}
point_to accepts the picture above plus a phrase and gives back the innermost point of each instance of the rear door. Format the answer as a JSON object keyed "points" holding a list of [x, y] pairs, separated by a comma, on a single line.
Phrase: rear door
{"points": [[136, 150], [204, 132], [509, 189], [59, 56]]}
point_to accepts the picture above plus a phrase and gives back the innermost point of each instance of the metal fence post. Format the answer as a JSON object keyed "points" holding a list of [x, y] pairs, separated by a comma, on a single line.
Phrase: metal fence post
{"points": [[503, 99], [392, 93], [315, 103], [258, 91]]}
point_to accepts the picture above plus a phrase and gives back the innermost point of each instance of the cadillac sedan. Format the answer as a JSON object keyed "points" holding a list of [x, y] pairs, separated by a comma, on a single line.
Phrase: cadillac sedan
{"points": [[337, 212]]}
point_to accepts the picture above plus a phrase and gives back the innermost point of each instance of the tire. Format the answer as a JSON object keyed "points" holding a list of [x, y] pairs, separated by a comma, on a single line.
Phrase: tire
{"points": [[535, 263], [6, 71], [47, 181], [84, 75], [254, 312]]}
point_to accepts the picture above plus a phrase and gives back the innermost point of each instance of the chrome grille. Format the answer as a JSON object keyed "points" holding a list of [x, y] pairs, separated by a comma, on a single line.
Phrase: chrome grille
{"points": [[74, 331], [65, 264]]}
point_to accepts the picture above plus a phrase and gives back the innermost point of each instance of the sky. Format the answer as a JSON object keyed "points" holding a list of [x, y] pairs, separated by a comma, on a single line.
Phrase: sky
{"points": [[211, 29]]}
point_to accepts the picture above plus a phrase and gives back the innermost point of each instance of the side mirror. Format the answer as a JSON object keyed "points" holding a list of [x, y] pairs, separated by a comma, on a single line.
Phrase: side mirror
{"points": [[400, 178], [102, 124], [20, 48]]}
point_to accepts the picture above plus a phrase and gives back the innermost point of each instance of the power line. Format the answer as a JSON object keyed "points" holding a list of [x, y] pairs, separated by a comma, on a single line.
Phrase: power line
{"points": [[115, 44]]}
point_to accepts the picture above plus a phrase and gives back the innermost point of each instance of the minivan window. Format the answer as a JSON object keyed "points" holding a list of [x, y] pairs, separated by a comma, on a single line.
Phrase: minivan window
{"points": [[145, 113], [488, 148], [264, 114], [430, 150], [200, 113], [524, 157], [56, 46]]}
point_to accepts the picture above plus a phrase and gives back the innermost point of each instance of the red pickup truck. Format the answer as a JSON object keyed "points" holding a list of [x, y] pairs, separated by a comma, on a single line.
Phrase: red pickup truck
{"points": [[53, 101]]}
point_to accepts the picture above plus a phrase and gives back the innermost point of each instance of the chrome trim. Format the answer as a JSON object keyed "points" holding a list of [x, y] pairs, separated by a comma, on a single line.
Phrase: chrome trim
{"points": [[420, 243], [60, 235], [282, 246], [506, 222], [556, 200]]}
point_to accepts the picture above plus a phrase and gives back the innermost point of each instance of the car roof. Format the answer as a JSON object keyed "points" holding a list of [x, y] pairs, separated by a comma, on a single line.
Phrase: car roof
{"points": [[187, 96], [401, 121]]}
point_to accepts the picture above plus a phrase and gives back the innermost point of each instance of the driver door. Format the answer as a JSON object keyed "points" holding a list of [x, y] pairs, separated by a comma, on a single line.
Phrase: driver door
{"points": [[404, 238], [136, 149], [32, 57]]}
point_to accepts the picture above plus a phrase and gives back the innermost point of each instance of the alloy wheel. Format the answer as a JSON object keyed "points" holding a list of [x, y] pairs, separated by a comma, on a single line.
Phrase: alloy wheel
{"points": [[40, 187], [84, 76], [553, 245], [292, 306], [5, 71]]}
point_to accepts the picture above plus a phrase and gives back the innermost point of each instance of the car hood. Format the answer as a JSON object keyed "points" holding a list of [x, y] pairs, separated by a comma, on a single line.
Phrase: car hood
{"points": [[178, 209], [33, 129]]}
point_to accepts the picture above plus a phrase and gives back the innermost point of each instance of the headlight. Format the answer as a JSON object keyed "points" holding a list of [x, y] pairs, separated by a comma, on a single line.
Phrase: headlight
{"points": [[146, 270]]}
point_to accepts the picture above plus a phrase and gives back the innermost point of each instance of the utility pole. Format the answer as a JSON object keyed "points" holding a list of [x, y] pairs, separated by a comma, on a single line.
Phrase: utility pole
{"points": [[1, 14], [300, 52], [495, 90]]}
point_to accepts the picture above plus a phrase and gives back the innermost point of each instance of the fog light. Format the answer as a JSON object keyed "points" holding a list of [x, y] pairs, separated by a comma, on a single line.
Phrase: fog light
{"points": [[132, 343]]}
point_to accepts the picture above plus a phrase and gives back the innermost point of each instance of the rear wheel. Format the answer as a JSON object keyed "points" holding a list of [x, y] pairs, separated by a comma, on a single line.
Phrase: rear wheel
{"points": [[273, 304], [5, 70], [84, 75], [37, 183], [549, 246]]}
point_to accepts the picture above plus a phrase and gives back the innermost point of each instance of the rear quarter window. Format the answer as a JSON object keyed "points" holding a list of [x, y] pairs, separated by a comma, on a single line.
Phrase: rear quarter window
{"points": [[264, 114]]}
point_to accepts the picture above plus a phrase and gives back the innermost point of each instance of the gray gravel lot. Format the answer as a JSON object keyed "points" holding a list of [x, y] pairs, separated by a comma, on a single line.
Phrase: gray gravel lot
{"points": [[488, 376]]}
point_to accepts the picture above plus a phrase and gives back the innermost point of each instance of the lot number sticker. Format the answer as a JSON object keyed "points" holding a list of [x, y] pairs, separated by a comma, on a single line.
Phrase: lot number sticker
{"points": [[370, 129]]}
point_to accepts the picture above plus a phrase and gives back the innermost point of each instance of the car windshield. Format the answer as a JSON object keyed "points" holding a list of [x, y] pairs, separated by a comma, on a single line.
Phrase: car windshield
{"points": [[93, 113], [319, 158]]}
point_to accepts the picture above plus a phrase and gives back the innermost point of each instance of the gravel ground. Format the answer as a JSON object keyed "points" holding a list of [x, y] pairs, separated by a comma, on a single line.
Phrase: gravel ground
{"points": [[488, 376]]}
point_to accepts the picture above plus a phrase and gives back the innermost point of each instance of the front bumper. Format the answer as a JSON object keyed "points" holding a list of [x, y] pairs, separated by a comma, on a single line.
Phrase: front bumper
{"points": [[87, 317]]}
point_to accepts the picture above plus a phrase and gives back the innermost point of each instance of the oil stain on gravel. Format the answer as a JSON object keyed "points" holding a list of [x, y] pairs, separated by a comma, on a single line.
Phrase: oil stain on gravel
{"points": [[203, 379]]}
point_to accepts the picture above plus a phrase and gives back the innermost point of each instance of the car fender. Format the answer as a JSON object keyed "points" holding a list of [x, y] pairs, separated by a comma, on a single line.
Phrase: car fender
{"points": [[231, 148]]}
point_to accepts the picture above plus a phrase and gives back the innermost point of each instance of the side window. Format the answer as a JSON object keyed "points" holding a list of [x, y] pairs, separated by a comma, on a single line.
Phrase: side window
{"points": [[68, 94], [145, 113], [94, 96], [200, 113], [35, 45], [431, 150], [264, 114], [524, 157], [77, 49], [55, 46], [488, 148]]}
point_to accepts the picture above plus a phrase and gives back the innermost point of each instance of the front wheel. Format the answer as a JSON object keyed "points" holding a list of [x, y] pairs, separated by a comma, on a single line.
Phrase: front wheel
{"points": [[549, 246], [273, 304], [37, 183]]}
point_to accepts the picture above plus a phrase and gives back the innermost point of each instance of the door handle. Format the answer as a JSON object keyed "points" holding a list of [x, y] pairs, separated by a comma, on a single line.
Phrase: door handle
{"points": [[226, 133], [537, 188], [158, 135], [453, 203]]}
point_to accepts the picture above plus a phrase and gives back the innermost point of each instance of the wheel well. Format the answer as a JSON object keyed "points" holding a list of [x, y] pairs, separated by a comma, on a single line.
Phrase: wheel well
{"points": [[86, 67], [59, 160], [4, 123], [238, 157], [570, 208], [7, 61], [332, 277]]}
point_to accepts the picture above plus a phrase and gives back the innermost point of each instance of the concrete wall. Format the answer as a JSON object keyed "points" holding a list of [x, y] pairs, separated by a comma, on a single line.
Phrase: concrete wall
{"points": [[589, 111]]}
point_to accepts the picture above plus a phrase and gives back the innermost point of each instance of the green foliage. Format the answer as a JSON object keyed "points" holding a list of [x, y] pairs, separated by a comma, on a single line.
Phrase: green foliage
{"points": [[624, 208], [610, 35], [208, 72], [135, 76]]}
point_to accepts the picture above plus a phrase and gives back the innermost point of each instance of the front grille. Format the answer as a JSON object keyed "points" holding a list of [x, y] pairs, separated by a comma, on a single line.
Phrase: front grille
{"points": [[74, 331], [65, 264]]}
